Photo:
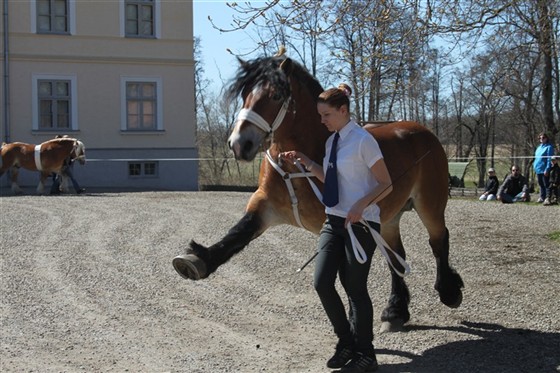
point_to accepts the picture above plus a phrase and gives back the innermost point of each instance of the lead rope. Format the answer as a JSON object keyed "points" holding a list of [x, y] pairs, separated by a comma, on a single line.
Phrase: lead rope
{"points": [[359, 251], [287, 177]]}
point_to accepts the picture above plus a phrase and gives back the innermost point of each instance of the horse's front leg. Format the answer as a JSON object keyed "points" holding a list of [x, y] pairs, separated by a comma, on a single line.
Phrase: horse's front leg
{"points": [[199, 261]]}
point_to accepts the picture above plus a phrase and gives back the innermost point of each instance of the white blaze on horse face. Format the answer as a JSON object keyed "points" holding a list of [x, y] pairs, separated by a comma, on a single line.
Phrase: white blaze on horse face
{"points": [[246, 137], [80, 151]]}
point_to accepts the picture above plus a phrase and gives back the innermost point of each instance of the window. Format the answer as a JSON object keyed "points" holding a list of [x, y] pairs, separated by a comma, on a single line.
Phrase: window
{"points": [[52, 16], [150, 169], [139, 18], [54, 103], [141, 110], [141, 106], [142, 169]]}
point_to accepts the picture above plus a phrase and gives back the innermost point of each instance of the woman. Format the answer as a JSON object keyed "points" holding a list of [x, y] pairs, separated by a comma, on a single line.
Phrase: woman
{"points": [[362, 180], [542, 164], [491, 187]]}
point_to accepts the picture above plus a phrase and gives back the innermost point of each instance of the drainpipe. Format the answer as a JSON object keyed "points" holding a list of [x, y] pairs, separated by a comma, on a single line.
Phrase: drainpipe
{"points": [[6, 87]]}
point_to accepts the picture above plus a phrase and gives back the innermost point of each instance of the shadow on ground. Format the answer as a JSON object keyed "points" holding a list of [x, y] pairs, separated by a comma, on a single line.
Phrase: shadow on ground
{"points": [[499, 349]]}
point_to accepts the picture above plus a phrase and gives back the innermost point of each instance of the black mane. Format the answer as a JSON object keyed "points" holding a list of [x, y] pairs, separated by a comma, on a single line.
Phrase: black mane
{"points": [[266, 69]]}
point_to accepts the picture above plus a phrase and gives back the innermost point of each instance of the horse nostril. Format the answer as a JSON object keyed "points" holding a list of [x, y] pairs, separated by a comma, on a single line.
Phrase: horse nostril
{"points": [[247, 148]]}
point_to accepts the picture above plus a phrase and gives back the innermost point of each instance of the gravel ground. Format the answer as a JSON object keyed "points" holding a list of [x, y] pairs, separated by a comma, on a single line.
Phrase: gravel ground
{"points": [[87, 285]]}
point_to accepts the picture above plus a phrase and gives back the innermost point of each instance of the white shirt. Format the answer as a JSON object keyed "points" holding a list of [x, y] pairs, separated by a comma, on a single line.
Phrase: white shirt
{"points": [[357, 152]]}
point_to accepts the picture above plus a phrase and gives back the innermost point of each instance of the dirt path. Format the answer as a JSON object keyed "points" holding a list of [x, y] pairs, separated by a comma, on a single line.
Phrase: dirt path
{"points": [[87, 285]]}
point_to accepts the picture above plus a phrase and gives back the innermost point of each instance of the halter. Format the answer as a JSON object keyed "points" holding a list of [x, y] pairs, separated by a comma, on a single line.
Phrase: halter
{"points": [[287, 177], [253, 117], [78, 145]]}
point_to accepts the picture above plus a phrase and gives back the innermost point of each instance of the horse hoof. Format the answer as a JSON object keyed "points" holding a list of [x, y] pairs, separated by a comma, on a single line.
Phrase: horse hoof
{"points": [[392, 326], [189, 266], [457, 303]]}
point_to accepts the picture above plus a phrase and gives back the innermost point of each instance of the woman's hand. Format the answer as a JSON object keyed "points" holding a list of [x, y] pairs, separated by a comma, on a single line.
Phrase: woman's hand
{"points": [[355, 213], [294, 155]]}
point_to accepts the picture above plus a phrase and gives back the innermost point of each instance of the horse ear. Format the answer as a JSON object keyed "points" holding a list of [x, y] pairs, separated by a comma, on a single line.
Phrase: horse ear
{"points": [[287, 67], [243, 63]]}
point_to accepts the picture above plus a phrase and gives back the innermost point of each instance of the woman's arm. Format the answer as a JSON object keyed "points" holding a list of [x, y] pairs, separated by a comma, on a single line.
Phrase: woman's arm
{"points": [[383, 188]]}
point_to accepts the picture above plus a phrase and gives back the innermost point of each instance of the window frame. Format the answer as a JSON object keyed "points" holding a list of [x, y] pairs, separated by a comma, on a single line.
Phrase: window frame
{"points": [[158, 104], [143, 174], [156, 18], [70, 19], [73, 104]]}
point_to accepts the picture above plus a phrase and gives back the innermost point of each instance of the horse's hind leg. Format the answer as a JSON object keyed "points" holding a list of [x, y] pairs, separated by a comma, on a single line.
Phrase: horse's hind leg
{"points": [[15, 187], [41, 185], [448, 281], [396, 314]]}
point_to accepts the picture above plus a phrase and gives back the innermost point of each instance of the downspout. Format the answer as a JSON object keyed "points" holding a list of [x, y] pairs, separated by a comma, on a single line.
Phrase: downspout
{"points": [[6, 85]]}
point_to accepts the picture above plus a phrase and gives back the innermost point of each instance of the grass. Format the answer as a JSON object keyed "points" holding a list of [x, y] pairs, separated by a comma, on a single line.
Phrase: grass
{"points": [[554, 236], [229, 172]]}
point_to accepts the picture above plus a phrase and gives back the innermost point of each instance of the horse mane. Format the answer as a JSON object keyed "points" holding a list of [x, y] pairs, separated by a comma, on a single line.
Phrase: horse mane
{"points": [[267, 69], [62, 139]]}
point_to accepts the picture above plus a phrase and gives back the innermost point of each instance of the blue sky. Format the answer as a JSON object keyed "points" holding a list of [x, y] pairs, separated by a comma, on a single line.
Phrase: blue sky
{"points": [[215, 57]]}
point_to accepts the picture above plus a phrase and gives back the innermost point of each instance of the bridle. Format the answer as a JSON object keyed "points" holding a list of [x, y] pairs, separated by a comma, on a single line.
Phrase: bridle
{"points": [[79, 147], [255, 118]]}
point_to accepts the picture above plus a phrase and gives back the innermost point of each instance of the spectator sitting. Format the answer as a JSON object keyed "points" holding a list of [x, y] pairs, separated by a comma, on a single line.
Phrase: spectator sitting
{"points": [[514, 187], [491, 187], [552, 195]]}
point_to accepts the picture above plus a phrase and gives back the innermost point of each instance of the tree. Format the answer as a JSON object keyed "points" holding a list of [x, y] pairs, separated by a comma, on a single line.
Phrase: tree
{"points": [[521, 23]]}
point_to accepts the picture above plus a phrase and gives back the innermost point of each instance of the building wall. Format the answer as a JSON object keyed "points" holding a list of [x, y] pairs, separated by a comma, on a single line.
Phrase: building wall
{"points": [[100, 59]]}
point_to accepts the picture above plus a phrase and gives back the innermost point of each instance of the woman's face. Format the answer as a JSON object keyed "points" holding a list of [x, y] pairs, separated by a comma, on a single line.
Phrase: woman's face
{"points": [[334, 119], [543, 138]]}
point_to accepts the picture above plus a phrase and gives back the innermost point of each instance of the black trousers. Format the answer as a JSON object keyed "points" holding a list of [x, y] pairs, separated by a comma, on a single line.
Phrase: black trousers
{"points": [[336, 257]]}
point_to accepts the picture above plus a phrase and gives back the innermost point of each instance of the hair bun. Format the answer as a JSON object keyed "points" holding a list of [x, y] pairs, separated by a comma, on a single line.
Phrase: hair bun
{"points": [[346, 89]]}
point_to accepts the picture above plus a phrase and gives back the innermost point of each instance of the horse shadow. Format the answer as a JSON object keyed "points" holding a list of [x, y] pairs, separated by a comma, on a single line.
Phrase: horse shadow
{"points": [[498, 349]]}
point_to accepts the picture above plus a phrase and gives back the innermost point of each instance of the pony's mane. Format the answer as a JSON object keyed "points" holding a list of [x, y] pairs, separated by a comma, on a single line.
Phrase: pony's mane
{"points": [[63, 139], [267, 69]]}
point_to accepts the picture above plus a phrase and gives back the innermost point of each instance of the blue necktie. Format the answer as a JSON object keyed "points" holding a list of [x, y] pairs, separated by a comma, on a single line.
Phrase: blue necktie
{"points": [[330, 194]]}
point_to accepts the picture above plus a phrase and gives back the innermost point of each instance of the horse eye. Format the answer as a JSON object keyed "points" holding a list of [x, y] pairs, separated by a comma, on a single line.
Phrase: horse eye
{"points": [[276, 97]]}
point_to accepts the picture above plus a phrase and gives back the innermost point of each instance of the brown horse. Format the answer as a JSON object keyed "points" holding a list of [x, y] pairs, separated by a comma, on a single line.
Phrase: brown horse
{"points": [[279, 91], [46, 158]]}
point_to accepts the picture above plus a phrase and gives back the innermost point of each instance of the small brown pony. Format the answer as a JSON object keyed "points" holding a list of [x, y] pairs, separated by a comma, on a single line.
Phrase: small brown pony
{"points": [[279, 109], [46, 158]]}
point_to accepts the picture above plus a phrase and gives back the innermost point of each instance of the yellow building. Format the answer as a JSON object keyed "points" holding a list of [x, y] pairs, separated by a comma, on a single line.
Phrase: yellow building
{"points": [[118, 75]]}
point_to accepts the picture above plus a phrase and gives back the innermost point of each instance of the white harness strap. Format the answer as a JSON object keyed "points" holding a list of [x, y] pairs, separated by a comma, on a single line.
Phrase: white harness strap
{"points": [[38, 157], [287, 177], [359, 252], [257, 120]]}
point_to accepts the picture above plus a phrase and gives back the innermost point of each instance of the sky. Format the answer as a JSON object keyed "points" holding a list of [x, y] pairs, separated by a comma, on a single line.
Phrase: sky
{"points": [[216, 59]]}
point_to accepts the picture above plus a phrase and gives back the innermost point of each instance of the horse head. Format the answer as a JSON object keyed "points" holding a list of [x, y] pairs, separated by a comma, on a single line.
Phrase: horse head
{"points": [[79, 152], [270, 90]]}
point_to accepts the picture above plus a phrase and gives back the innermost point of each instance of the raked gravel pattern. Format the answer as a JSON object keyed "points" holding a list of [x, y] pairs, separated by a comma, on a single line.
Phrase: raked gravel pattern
{"points": [[87, 285]]}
